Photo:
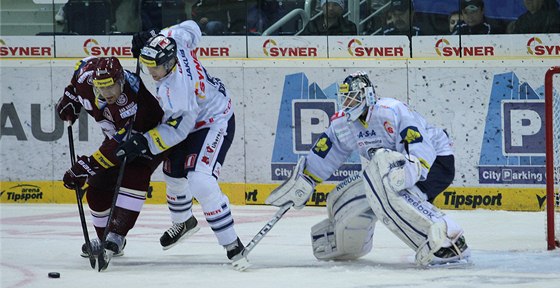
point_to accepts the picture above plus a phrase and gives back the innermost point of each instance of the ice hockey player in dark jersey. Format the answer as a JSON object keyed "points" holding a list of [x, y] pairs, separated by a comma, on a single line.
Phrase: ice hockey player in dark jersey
{"points": [[117, 99]]}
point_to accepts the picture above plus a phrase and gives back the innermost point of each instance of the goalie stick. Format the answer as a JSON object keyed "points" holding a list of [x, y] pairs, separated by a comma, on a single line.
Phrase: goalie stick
{"points": [[241, 263], [79, 195]]}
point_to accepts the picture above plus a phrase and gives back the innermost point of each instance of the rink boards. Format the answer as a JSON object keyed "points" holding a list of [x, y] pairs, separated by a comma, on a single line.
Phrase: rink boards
{"points": [[493, 109]]}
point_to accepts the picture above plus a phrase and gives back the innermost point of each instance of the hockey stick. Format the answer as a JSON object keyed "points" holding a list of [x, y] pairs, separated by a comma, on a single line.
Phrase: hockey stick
{"points": [[79, 195], [102, 258], [241, 263]]}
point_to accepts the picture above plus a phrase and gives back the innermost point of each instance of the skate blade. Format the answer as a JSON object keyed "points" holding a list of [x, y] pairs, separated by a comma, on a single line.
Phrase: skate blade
{"points": [[185, 236]]}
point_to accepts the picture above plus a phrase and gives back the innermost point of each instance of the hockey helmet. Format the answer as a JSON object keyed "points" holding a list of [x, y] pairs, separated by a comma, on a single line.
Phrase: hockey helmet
{"points": [[159, 50], [355, 95], [108, 78]]}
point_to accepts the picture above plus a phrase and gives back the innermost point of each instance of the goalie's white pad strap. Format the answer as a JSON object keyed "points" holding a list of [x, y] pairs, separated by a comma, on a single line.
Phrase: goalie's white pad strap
{"points": [[415, 221], [348, 233], [297, 189]]}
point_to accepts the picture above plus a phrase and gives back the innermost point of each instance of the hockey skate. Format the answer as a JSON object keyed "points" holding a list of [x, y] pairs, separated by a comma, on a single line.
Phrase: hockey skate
{"points": [[178, 232], [235, 253], [457, 255], [96, 249], [114, 244]]}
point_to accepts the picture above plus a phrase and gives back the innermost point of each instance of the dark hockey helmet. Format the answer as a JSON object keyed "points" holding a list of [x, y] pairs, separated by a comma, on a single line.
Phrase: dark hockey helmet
{"points": [[159, 50], [107, 72], [355, 95], [108, 78]]}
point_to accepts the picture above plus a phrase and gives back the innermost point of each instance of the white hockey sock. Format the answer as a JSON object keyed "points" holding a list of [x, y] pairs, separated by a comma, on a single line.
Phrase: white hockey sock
{"points": [[215, 206], [179, 199]]}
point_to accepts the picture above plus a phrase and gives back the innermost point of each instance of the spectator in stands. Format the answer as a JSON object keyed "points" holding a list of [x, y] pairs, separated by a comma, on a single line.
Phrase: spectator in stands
{"points": [[399, 19], [331, 22], [262, 14], [375, 24], [542, 16], [453, 20], [84, 18], [219, 17], [472, 19], [161, 14]]}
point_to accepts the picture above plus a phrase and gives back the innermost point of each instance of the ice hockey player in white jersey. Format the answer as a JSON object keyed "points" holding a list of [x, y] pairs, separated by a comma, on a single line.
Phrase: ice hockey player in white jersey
{"points": [[410, 162], [198, 125]]}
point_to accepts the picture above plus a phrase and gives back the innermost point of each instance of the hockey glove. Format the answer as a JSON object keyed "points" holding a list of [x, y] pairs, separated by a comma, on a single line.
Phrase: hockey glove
{"points": [[68, 106], [77, 176], [139, 40], [136, 146]]}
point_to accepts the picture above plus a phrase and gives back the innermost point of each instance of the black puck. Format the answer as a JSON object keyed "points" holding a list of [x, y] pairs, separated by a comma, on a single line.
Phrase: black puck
{"points": [[54, 275]]}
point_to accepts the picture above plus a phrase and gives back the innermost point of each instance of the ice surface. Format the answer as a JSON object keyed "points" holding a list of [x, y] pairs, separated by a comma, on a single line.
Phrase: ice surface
{"points": [[509, 250]]}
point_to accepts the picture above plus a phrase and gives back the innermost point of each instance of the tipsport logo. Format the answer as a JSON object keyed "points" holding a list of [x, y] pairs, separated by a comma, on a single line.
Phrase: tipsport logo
{"points": [[304, 115], [513, 149], [22, 193]]}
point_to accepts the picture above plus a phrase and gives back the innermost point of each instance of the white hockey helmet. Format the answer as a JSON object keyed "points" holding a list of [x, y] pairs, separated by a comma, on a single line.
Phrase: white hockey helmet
{"points": [[159, 51], [355, 95]]}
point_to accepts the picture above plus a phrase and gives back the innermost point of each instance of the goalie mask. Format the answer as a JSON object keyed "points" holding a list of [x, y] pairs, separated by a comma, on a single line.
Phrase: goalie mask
{"points": [[158, 57], [355, 95], [108, 79]]}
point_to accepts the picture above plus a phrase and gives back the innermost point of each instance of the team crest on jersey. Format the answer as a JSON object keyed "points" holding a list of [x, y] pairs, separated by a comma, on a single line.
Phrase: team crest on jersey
{"points": [[322, 146], [122, 100], [411, 135]]}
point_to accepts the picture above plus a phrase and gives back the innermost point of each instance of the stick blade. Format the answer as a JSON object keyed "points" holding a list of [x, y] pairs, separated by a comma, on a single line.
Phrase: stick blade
{"points": [[240, 262]]}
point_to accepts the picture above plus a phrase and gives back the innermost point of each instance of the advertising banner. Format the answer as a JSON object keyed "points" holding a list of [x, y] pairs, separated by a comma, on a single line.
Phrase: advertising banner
{"points": [[369, 47], [272, 47], [492, 109], [26, 47], [483, 47]]}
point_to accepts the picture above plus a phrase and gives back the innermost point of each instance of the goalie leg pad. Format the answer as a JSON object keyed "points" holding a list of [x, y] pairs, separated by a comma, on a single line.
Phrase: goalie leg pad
{"points": [[348, 233], [415, 221], [411, 217], [343, 241]]}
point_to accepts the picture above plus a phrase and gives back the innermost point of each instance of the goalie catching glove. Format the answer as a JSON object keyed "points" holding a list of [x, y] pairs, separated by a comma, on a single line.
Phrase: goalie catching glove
{"points": [[401, 171], [297, 189]]}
